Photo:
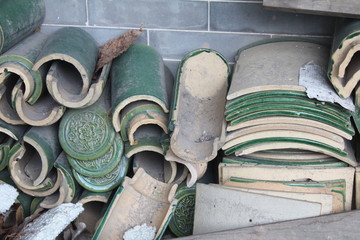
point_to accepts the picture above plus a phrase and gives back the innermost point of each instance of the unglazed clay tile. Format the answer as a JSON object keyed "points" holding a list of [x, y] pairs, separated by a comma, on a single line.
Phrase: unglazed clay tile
{"points": [[196, 170], [69, 189], [182, 221], [343, 71], [136, 75], [290, 173], [19, 60], [139, 200], [73, 54], [231, 209], [357, 188], [261, 66], [291, 120], [94, 205], [18, 20], [32, 160], [87, 133], [102, 165], [147, 138], [155, 165], [45, 111], [106, 182], [335, 189], [325, 200], [197, 115], [249, 160], [281, 126], [136, 114]]}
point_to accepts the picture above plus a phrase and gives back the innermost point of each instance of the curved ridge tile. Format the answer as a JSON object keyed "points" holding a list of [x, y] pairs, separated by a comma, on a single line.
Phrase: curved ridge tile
{"points": [[68, 190], [31, 162], [45, 111], [258, 65], [71, 54], [343, 69]]}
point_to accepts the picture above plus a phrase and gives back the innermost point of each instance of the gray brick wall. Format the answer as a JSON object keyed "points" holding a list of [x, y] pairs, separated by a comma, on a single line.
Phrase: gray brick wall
{"points": [[175, 27]]}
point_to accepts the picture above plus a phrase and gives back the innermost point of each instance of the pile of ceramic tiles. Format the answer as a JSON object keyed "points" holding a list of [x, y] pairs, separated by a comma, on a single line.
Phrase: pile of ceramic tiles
{"points": [[282, 148]]}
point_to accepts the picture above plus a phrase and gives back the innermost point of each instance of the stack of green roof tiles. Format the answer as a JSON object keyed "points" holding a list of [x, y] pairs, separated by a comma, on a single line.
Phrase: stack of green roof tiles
{"points": [[93, 148], [267, 109], [140, 95]]}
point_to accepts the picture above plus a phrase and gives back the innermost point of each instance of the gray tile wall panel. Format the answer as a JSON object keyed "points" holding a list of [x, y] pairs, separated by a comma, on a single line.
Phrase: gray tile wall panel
{"points": [[174, 14], [251, 17], [65, 12]]}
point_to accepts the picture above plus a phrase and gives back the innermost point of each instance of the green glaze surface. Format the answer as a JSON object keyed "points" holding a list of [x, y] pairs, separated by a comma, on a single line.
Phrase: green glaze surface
{"points": [[182, 221], [309, 110], [178, 76], [149, 142], [102, 165], [35, 204], [86, 134], [288, 101], [146, 109], [107, 182], [314, 163], [15, 131], [139, 71], [18, 19], [284, 139], [4, 152], [75, 43], [343, 126]]}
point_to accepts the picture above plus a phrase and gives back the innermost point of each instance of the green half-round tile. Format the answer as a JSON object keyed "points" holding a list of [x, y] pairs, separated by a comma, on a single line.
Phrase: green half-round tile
{"points": [[148, 110], [86, 134], [19, 61], [182, 221], [102, 165], [18, 19], [107, 182]]}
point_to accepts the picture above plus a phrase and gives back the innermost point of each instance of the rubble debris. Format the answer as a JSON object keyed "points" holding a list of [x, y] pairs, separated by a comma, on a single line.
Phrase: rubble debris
{"points": [[8, 195], [51, 223], [143, 232]]}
